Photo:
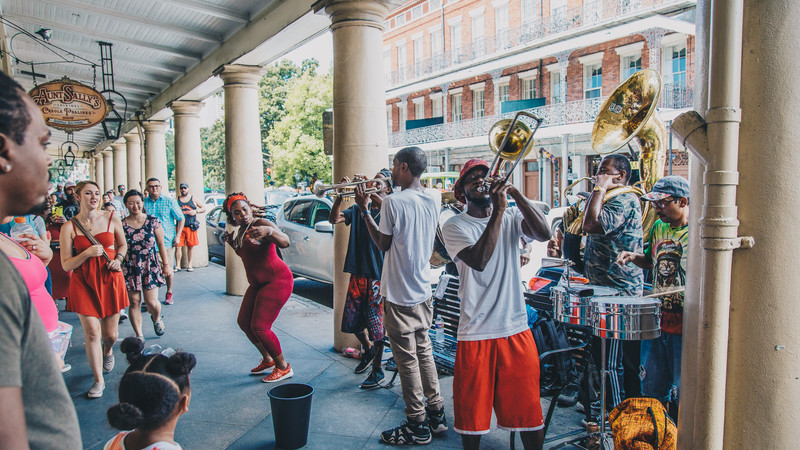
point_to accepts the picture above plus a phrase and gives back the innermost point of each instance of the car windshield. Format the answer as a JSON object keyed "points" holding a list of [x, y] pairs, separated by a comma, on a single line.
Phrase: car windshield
{"points": [[276, 197]]}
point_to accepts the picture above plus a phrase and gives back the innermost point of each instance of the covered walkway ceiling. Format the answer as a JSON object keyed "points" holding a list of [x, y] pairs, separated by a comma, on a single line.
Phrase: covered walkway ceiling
{"points": [[163, 50]]}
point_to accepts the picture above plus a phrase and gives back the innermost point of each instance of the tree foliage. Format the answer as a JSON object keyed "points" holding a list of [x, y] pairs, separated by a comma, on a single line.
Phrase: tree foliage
{"points": [[170, 142], [295, 141], [212, 141]]}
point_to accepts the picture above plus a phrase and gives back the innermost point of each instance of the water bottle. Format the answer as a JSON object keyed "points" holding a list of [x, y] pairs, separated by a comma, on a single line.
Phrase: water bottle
{"points": [[439, 325], [20, 227]]}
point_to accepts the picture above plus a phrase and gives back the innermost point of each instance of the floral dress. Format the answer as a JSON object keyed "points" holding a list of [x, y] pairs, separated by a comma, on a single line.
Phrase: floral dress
{"points": [[141, 266]]}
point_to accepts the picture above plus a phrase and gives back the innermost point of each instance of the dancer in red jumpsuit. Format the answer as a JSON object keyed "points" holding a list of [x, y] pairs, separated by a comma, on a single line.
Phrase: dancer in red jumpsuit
{"points": [[270, 282]]}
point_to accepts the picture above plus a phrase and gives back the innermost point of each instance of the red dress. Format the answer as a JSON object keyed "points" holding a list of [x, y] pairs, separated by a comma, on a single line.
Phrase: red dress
{"points": [[93, 289]]}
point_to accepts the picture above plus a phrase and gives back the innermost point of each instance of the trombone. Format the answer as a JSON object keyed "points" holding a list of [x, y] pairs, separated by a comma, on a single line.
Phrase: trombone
{"points": [[509, 139], [345, 190]]}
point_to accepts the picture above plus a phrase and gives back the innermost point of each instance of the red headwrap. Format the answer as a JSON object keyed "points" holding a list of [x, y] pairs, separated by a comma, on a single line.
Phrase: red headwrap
{"points": [[234, 198]]}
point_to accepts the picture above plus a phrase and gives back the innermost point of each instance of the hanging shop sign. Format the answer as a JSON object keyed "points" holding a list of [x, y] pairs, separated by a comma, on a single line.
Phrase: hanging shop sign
{"points": [[68, 105]]}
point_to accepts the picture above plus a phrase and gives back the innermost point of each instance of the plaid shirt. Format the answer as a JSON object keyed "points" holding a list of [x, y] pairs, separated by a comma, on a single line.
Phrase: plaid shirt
{"points": [[167, 211]]}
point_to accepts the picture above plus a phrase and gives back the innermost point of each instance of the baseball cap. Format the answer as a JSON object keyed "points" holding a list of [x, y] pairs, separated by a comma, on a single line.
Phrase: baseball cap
{"points": [[669, 186], [184, 185], [469, 165]]}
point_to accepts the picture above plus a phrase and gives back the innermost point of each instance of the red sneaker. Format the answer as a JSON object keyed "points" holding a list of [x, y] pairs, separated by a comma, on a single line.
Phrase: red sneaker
{"points": [[262, 368], [278, 374], [168, 300]]}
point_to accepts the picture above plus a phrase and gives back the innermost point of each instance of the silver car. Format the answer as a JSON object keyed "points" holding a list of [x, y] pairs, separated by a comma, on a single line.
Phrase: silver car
{"points": [[310, 252]]}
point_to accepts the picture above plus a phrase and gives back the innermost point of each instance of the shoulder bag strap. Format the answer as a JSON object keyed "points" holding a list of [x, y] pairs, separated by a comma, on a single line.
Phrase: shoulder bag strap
{"points": [[93, 240]]}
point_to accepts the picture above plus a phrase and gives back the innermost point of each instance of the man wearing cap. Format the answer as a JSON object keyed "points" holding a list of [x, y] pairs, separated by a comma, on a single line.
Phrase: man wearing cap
{"points": [[497, 364], [69, 204], [667, 257], [167, 211], [188, 237]]}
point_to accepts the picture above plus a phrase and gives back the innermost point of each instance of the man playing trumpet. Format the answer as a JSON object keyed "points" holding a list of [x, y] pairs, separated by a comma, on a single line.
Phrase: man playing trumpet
{"points": [[363, 309], [497, 364]]}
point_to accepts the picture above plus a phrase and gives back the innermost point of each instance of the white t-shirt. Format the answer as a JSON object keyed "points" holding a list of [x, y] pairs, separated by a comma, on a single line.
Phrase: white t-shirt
{"points": [[492, 304], [410, 217]]}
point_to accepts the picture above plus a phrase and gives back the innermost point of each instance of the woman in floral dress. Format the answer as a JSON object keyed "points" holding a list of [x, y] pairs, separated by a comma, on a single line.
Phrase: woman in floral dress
{"points": [[144, 272]]}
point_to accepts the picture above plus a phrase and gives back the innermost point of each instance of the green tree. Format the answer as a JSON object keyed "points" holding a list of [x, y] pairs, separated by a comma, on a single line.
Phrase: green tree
{"points": [[212, 141], [170, 140], [296, 140]]}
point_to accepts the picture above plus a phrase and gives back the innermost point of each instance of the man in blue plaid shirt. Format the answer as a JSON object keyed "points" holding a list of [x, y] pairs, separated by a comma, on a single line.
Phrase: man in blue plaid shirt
{"points": [[167, 211]]}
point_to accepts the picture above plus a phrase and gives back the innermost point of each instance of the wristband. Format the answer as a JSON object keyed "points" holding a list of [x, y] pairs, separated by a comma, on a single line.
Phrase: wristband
{"points": [[120, 256], [598, 189]]}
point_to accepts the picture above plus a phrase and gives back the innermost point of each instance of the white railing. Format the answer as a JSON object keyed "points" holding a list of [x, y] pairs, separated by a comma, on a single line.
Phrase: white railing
{"points": [[561, 20]]}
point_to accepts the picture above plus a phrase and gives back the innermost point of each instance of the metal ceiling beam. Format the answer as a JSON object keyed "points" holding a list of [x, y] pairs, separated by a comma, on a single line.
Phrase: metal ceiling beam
{"points": [[86, 53], [38, 21], [87, 79], [213, 10], [110, 12], [131, 73]]}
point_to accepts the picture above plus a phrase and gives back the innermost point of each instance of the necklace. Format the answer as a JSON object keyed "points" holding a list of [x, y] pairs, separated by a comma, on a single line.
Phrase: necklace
{"points": [[239, 239]]}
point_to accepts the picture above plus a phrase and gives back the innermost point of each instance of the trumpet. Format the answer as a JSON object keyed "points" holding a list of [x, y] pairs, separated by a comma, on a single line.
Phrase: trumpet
{"points": [[345, 190], [510, 140]]}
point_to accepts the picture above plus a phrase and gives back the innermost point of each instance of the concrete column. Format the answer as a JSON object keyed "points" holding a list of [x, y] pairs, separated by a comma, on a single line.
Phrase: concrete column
{"points": [[445, 99], [763, 363], [495, 77], [108, 169], [547, 181], [120, 164], [563, 65], [579, 169], [155, 149], [189, 167], [359, 105], [244, 166], [133, 152], [403, 112], [99, 171], [564, 168]]}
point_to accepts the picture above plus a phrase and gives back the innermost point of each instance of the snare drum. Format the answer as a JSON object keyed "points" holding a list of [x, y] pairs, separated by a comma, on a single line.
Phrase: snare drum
{"points": [[626, 318], [573, 305]]}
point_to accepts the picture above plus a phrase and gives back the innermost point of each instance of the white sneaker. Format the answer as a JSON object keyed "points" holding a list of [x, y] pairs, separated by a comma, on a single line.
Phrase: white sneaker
{"points": [[97, 390]]}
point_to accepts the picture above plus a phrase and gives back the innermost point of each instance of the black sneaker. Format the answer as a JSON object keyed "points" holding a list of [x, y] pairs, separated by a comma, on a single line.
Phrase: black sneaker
{"points": [[391, 366], [374, 379], [366, 360], [409, 432], [437, 421]]}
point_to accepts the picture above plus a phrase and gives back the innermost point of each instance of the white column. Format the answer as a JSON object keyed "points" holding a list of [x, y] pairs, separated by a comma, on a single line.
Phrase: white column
{"points": [[155, 149], [445, 99], [99, 170], [563, 65], [495, 82], [564, 168], [244, 166], [133, 152], [108, 170], [189, 167], [653, 37], [547, 182], [120, 163], [579, 169], [359, 105]]}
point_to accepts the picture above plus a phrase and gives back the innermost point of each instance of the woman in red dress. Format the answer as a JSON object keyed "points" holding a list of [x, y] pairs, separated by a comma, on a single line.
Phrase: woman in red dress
{"points": [[97, 287], [270, 283]]}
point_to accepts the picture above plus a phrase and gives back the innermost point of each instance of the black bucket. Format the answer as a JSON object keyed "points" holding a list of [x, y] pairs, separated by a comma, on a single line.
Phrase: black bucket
{"points": [[291, 411]]}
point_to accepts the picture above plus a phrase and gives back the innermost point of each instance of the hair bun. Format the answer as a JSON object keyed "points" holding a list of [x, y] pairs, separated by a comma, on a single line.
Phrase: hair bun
{"points": [[124, 416], [181, 363], [132, 347]]}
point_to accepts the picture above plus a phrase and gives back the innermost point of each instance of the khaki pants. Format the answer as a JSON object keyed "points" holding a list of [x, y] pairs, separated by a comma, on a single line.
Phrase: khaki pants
{"points": [[407, 327]]}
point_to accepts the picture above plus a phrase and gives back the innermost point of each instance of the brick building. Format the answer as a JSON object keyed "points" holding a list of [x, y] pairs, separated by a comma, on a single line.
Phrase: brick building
{"points": [[455, 67]]}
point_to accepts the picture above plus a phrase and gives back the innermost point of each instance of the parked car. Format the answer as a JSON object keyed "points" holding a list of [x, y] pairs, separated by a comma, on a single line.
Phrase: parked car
{"points": [[310, 253], [216, 220], [273, 201], [214, 199]]}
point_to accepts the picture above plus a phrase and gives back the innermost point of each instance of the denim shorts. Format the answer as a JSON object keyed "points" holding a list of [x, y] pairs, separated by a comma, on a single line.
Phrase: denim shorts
{"points": [[661, 359]]}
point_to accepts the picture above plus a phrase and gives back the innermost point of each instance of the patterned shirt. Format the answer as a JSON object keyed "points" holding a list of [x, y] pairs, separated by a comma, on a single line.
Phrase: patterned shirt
{"points": [[670, 261], [621, 219], [167, 211]]}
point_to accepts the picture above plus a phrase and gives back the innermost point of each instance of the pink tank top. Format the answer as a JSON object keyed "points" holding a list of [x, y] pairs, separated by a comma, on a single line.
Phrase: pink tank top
{"points": [[34, 274]]}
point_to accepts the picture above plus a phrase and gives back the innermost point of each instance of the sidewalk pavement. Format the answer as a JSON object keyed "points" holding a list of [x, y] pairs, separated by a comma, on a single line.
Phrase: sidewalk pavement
{"points": [[230, 408]]}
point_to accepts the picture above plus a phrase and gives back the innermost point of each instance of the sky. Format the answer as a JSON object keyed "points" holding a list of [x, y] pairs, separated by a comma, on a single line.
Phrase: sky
{"points": [[320, 47]]}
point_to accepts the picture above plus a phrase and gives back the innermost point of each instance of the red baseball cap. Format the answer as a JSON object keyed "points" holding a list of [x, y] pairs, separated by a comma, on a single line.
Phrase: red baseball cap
{"points": [[469, 165]]}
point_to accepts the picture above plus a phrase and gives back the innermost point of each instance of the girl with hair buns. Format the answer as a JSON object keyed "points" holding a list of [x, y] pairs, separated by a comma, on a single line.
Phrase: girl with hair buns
{"points": [[153, 394], [270, 282], [96, 288]]}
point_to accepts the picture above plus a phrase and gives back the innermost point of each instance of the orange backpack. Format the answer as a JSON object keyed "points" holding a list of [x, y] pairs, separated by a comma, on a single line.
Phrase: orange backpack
{"points": [[642, 424]]}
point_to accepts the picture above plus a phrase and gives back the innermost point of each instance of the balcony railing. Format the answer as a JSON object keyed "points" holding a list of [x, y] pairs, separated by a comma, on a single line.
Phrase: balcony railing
{"points": [[674, 96], [561, 20]]}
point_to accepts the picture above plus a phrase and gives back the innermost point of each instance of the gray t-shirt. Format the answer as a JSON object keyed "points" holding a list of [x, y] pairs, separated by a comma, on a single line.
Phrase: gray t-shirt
{"points": [[27, 361]]}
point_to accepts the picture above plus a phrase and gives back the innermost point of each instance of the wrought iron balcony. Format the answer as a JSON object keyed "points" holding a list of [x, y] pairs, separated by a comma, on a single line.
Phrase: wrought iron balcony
{"points": [[677, 96], [505, 40]]}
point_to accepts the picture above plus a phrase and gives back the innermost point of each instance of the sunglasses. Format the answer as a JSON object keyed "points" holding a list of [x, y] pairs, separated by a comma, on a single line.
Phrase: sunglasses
{"points": [[661, 204]]}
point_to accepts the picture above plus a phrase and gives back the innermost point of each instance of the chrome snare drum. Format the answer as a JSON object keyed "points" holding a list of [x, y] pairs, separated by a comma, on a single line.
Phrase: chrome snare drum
{"points": [[626, 318], [573, 305]]}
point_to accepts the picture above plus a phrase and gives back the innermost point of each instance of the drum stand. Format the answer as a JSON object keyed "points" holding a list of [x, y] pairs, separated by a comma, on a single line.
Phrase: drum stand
{"points": [[604, 372]]}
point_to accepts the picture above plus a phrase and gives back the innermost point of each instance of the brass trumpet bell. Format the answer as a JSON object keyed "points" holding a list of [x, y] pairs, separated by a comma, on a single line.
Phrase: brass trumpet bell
{"points": [[516, 141]]}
